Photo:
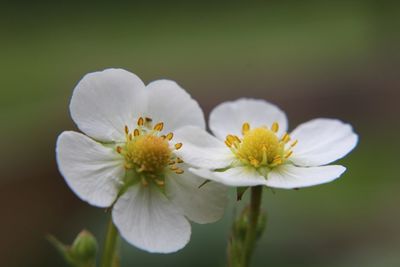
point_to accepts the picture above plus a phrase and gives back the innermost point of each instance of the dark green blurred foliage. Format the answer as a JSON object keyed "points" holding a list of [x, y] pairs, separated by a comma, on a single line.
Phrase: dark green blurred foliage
{"points": [[335, 59]]}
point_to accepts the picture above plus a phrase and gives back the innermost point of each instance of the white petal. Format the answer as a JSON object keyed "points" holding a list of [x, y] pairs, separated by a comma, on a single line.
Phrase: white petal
{"points": [[238, 176], [322, 141], [201, 149], [104, 102], [202, 205], [90, 169], [289, 176], [169, 103], [228, 117], [149, 221]]}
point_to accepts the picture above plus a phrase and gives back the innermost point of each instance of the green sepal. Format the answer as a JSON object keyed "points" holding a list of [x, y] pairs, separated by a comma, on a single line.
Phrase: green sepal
{"points": [[240, 192]]}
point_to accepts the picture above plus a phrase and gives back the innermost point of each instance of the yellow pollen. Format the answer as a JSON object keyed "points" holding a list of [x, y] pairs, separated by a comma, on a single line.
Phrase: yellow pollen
{"points": [[245, 128], [159, 126], [140, 121], [170, 136], [178, 146], [275, 127], [150, 153]]}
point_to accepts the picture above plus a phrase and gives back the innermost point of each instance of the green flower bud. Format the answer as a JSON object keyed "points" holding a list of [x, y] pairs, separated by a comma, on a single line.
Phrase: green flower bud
{"points": [[84, 248]]}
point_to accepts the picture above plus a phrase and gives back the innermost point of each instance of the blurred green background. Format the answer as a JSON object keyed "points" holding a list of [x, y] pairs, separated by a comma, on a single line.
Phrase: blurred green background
{"points": [[335, 59]]}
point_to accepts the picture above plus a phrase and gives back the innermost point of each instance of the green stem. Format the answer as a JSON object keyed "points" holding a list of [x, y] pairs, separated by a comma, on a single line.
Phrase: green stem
{"points": [[109, 250], [251, 235]]}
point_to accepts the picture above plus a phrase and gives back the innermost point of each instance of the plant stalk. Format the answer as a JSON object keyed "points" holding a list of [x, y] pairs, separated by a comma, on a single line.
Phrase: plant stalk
{"points": [[109, 250]]}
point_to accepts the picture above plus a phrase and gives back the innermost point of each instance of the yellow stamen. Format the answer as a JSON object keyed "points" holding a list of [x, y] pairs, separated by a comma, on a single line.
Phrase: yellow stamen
{"points": [[285, 138], [228, 143], [179, 160], [159, 126], [136, 132], [178, 146], [231, 139], [275, 127], [179, 171], [170, 136], [245, 128], [140, 121], [126, 129], [294, 143]]}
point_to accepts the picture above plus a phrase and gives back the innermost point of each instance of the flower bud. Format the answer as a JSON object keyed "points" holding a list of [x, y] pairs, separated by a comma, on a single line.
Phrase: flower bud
{"points": [[84, 248]]}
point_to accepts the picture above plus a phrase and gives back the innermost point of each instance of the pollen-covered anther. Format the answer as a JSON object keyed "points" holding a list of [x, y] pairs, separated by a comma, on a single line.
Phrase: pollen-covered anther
{"points": [[294, 143], [245, 128], [159, 126], [275, 127], [180, 171], [173, 167], [170, 136], [285, 138], [178, 146], [288, 154], [140, 122]]}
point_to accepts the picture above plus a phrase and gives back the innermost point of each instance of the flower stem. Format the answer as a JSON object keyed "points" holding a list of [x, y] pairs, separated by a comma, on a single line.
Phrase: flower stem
{"points": [[251, 235], [109, 250]]}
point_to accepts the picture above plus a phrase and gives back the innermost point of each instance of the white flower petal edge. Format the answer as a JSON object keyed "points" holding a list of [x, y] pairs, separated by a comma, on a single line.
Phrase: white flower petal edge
{"points": [[322, 141], [201, 149], [237, 176], [167, 97], [90, 169], [104, 102], [228, 117], [289, 176], [148, 220], [201, 205]]}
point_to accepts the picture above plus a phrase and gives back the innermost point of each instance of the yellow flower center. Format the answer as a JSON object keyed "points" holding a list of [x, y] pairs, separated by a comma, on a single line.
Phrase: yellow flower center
{"points": [[149, 153], [260, 147]]}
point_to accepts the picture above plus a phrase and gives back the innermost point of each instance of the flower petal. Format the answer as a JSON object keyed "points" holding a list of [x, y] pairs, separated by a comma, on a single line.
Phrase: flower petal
{"points": [[322, 141], [201, 205], [104, 102], [228, 117], [289, 176], [149, 221], [169, 103], [201, 149], [238, 176], [90, 169]]}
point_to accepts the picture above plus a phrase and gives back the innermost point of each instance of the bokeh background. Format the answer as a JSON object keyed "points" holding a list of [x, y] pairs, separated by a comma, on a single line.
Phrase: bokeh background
{"points": [[335, 59]]}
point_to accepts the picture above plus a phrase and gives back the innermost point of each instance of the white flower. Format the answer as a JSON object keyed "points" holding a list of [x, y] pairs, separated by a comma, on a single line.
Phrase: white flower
{"points": [[252, 147], [128, 159]]}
